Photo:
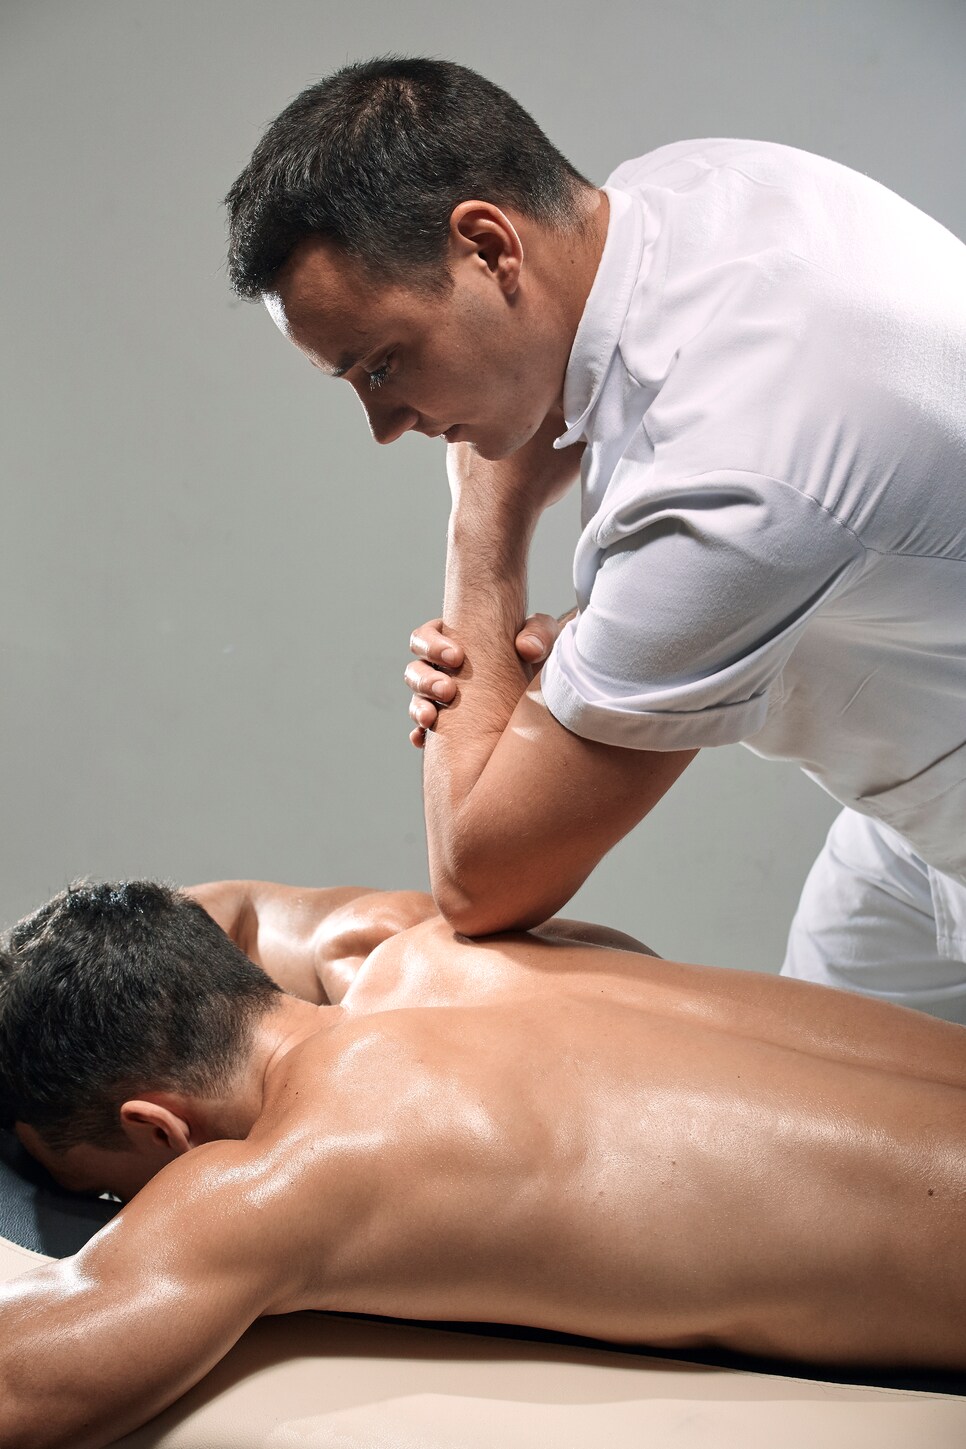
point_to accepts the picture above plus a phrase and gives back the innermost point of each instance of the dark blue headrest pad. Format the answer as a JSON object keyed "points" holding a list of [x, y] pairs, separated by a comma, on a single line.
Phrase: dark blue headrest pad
{"points": [[36, 1213]]}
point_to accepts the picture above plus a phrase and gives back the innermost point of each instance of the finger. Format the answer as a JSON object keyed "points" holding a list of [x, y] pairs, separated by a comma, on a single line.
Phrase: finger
{"points": [[428, 682], [417, 738], [430, 643], [536, 639], [422, 713]]}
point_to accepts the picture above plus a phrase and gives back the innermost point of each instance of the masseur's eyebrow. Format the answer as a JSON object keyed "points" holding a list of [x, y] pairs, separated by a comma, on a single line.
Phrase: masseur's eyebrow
{"points": [[364, 349]]}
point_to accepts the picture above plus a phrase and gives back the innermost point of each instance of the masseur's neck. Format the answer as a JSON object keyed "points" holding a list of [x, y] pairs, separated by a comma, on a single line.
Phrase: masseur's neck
{"points": [[566, 263], [557, 273]]}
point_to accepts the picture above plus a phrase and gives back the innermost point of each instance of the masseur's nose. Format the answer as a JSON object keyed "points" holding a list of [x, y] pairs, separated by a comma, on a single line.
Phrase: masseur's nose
{"points": [[387, 421]]}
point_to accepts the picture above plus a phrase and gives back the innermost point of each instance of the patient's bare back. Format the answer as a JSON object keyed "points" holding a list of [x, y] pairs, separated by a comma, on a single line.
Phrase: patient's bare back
{"points": [[598, 1142]]}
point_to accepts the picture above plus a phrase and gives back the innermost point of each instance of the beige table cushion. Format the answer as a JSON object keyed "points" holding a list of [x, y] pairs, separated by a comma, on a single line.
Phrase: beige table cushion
{"points": [[308, 1381]]}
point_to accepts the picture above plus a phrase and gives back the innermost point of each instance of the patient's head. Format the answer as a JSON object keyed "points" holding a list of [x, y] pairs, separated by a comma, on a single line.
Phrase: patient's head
{"points": [[112, 991]]}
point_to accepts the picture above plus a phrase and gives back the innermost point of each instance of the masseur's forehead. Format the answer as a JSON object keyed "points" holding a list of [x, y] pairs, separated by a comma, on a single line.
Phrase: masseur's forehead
{"points": [[325, 303]]}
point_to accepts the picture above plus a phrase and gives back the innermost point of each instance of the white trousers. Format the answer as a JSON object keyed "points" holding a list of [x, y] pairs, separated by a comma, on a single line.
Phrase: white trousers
{"points": [[875, 918]]}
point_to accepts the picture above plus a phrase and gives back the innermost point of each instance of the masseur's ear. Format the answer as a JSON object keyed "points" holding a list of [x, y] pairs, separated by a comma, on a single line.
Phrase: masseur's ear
{"points": [[480, 231], [155, 1129]]}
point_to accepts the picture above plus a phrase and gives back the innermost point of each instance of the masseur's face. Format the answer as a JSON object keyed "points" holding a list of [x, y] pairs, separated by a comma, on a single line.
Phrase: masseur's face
{"points": [[481, 364]]}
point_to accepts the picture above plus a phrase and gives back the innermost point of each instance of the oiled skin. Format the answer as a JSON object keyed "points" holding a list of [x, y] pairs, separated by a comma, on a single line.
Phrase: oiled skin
{"points": [[645, 1152], [535, 1131]]}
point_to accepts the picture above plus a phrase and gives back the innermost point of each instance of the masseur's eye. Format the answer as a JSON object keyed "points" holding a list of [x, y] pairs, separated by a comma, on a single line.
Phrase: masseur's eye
{"points": [[377, 378]]}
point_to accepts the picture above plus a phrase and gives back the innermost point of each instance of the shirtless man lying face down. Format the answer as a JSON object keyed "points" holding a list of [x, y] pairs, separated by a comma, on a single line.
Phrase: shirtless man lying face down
{"points": [[545, 1129]]}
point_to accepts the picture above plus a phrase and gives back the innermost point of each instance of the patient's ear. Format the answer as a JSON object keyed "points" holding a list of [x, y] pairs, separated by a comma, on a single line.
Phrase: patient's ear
{"points": [[155, 1129]]}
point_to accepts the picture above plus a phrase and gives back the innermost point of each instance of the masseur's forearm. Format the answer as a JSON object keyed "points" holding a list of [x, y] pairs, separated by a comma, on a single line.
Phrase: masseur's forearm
{"points": [[484, 606], [495, 511]]}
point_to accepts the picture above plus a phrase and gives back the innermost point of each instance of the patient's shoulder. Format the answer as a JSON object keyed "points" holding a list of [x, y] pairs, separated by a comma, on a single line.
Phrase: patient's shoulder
{"points": [[586, 933], [379, 914], [353, 932]]}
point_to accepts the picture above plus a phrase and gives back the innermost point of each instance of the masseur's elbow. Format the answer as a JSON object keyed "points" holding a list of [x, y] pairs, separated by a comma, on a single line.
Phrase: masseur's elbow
{"points": [[481, 904]]}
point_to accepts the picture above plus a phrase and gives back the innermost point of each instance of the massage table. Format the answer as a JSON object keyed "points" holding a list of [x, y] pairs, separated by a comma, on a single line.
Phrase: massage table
{"points": [[327, 1381]]}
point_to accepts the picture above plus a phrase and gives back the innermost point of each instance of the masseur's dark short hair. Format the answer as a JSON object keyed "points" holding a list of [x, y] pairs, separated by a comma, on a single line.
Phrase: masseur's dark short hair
{"points": [[375, 158], [113, 989]]}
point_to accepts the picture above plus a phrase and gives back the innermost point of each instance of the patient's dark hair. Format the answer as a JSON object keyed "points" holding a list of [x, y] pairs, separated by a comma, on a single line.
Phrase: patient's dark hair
{"points": [[375, 158], [113, 989]]}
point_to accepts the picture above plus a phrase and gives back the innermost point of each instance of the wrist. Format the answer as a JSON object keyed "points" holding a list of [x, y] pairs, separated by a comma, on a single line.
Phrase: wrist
{"points": [[485, 589]]}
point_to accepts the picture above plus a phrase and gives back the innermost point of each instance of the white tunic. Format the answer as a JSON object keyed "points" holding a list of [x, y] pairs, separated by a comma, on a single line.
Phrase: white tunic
{"points": [[770, 375]]}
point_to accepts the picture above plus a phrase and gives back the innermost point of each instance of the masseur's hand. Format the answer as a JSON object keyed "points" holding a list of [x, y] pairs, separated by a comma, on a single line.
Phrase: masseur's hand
{"points": [[494, 495], [439, 658]]}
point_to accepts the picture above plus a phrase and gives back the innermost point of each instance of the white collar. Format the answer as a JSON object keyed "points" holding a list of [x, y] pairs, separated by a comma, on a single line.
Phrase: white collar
{"points": [[602, 321]]}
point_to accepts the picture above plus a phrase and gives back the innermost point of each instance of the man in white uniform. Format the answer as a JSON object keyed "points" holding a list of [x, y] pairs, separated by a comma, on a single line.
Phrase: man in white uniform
{"points": [[759, 359], [794, 490]]}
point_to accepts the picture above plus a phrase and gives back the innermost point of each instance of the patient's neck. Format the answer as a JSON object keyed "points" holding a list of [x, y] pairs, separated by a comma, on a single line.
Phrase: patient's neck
{"points": [[288, 1022]]}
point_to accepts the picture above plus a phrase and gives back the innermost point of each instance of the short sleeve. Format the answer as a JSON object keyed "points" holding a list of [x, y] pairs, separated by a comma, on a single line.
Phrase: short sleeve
{"points": [[692, 597]]}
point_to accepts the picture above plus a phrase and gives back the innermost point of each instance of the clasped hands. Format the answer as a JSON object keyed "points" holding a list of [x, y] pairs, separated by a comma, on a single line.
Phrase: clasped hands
{"points": [[432, 675], [505, 495]]}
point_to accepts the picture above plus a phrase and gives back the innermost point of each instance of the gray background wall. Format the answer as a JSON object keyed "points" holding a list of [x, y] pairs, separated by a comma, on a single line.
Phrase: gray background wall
{"points": [[209, 572]]}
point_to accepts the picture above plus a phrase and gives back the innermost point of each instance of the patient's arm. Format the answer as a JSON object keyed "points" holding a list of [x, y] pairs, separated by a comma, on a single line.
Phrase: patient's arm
{"points": [[94, 1345], [311, 941]]}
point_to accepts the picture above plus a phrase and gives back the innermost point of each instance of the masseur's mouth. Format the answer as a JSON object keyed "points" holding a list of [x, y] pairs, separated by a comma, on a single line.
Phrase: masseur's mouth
{"points": [[450, 433]]}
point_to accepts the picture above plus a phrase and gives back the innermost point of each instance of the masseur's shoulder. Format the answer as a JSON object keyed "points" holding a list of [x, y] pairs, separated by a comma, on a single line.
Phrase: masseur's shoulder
{"points": [[678, 162]]}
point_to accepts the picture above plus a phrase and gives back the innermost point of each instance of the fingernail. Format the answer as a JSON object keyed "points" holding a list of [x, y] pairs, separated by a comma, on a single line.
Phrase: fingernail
{"points": [[532, 642], [448, 656]]}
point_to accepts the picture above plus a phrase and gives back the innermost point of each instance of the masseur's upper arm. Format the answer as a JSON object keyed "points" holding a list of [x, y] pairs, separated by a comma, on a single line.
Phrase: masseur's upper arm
{"points": [[694, 595], [545, 811], [94, 1345]]}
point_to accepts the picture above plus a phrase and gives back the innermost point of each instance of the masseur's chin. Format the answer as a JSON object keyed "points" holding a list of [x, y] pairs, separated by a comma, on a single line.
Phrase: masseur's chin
{"points": [[483, 445], [494, 448]]}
